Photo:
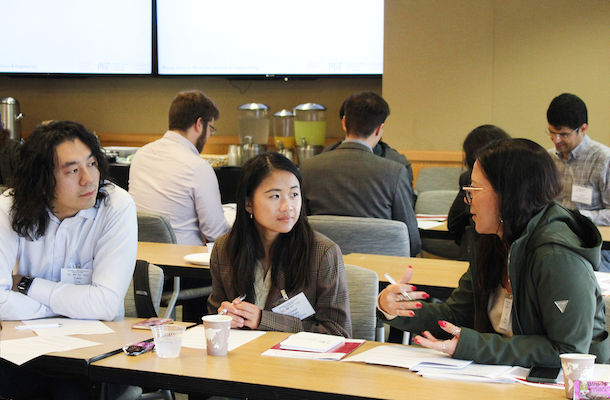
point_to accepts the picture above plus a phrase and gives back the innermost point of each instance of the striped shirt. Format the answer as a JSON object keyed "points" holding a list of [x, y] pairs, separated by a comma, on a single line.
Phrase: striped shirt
{"points": [[588, 165]]}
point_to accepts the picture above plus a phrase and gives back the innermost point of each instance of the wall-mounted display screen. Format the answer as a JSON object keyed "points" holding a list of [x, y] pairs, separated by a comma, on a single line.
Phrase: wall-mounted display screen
{"points": [[76, 37], [270, 37]]}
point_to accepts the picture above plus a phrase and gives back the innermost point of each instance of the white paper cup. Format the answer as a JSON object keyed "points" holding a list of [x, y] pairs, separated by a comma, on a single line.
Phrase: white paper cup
{"points": [[168, 340], [576, 367], [217, 329], [210, 246]]}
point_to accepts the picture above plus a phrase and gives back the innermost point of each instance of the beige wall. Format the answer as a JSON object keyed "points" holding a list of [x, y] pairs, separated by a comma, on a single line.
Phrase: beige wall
{"points": [[452, 65], [140, 104]]}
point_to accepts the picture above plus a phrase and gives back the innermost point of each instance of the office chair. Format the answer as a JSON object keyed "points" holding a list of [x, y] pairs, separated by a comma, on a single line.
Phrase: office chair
{"points": [[437, 202], [363, 287], [142, 300], [438, 178], [364, 235]]}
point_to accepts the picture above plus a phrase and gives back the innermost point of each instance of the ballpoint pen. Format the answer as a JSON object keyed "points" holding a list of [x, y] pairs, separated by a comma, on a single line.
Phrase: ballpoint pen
{"points": [[43, 326], [393, 282], [224, 310]]}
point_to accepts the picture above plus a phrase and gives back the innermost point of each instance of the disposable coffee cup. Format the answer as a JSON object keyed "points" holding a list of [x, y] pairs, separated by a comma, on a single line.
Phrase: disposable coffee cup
{"points": [[210, 246], [168, 340], [576, 367], [217, 328]]}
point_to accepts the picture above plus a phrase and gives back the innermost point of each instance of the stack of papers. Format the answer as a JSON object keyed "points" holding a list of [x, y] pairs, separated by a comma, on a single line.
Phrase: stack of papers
{"points": [[335, 353], [309, 341]]}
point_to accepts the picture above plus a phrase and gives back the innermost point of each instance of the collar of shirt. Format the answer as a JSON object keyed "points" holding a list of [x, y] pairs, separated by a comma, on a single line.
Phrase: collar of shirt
{"points": [[358, 141], [578, 150], [177, 137]]}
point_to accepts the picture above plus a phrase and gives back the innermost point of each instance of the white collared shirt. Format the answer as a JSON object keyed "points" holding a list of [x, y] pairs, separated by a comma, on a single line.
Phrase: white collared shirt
{"points": [[103, 239], [169, 177]]}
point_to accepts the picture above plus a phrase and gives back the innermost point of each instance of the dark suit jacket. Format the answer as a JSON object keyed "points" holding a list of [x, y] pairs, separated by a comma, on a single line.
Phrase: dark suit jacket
{"points": [[352, 181], [328, 295]]}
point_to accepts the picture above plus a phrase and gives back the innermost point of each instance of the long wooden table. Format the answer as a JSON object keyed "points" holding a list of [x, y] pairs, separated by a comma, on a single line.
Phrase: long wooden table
{"points": [[77, 361], [245, 373]]}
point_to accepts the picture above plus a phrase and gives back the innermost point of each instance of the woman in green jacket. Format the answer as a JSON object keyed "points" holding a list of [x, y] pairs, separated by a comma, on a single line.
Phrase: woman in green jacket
{"points": [[530, 293]]}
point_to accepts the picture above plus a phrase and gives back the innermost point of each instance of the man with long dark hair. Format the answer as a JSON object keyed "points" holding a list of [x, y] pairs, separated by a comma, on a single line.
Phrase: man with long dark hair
{"points": [[73, 236], [351, 180]]}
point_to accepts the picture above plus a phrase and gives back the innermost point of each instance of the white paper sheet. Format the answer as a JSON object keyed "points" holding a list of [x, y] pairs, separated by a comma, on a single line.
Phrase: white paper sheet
{"points": [[428, 224], [195, 337], [69, 327], [19, 351], [407, 357]]}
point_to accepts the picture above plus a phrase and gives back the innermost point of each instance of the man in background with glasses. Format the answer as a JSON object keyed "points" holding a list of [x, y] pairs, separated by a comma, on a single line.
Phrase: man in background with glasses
{"points": [[584, 164]]}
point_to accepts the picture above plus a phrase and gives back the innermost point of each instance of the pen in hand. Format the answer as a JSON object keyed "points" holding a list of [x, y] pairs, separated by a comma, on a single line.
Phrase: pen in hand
{"points": [[224, 310], [404, 293]]}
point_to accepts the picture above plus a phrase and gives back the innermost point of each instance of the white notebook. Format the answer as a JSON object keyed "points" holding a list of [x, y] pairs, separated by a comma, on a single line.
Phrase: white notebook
{"points": [[308, 341]]}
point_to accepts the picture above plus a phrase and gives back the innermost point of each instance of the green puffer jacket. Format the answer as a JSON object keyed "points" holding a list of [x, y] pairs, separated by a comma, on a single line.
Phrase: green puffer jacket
{"points": [[551, 267]]}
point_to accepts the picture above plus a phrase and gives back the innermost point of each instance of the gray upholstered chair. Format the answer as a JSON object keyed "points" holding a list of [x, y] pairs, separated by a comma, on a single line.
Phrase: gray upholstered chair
{"points": [[363, 286], [153, 294], [364, 235], [438, 178], [154, 228], [437, 202]]}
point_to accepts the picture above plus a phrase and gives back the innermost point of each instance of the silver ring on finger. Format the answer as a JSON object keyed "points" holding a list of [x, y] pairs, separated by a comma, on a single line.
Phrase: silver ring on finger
{"points": [[406, 294], [443, 349], [457, 331]]}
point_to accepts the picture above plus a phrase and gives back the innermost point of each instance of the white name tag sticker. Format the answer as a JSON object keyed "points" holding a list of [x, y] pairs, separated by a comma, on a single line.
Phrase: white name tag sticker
{"points": [[76, 276], [298, 307], [581, 194]]}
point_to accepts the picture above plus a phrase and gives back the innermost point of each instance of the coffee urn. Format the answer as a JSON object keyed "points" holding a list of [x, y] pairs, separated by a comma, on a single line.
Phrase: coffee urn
{"points": [[11, 116]]}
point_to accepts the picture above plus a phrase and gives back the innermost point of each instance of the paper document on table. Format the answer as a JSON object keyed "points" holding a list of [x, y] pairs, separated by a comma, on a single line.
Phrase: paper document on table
{"points": [[334, 354], [19, 351], [230, 211], [195, 337], [69, 327], [428, 224], [472, 372], [407, 357]]}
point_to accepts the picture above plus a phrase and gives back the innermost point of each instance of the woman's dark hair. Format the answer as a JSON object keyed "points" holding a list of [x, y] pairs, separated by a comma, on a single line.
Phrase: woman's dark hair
{"points": [[477, 139], [34, 179], [290, 252], [526, 180]]}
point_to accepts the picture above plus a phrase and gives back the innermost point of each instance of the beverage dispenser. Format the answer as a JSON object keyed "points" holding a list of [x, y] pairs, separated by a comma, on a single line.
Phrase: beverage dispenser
{"points": [[10, 116], [283, 133], [253, 129], [309, 129]]}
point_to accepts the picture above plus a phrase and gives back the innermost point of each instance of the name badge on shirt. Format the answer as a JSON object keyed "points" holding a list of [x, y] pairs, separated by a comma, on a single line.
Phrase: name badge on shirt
{"points": [[76, 276], [506, 311], [581, 194], [298, 307]]}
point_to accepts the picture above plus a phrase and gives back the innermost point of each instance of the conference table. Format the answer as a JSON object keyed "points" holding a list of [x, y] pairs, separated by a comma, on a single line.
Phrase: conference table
{"points": [[77, 361], [244, 372], [426, 271]]}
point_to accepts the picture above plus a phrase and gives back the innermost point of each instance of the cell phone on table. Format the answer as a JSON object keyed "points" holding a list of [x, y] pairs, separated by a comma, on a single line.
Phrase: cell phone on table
{"points": [[543, 374]]}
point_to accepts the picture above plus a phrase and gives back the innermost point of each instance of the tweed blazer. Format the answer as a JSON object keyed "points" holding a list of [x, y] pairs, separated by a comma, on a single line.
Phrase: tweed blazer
{"points": [[328, 294], [352, 181]]}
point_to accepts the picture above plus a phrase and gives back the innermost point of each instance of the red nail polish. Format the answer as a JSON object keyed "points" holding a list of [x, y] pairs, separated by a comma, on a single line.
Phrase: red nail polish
{"points": [[418, 305], [425, 296], [411, 313], [410, 266], [416, 341], [442, 324], [413, 288]]}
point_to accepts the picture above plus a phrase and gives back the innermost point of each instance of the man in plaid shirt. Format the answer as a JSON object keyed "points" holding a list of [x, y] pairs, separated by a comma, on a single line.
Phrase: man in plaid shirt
{"points": [[584, 164]]}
